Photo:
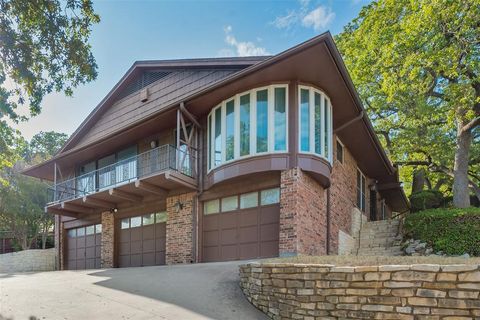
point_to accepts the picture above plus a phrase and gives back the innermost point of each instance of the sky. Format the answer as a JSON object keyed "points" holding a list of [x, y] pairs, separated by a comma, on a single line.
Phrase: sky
{"points": [[143, 30]]}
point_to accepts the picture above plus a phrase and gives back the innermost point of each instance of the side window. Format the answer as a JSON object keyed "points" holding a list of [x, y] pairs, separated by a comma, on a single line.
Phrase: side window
{"points": [[339, 151], [361, 182]]}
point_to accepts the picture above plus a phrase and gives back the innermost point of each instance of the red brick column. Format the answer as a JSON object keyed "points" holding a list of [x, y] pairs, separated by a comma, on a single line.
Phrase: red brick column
{"points": [[108, 233], [302, 214], [179, 247]]}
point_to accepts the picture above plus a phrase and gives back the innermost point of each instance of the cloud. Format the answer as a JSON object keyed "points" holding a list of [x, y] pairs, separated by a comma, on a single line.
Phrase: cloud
{"points": [[240, 48], [318, 18]]}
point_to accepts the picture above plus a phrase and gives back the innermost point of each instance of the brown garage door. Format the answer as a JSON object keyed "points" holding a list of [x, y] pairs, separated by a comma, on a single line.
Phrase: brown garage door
{"points": [[142, 240], [242, 227], [83, 247]]}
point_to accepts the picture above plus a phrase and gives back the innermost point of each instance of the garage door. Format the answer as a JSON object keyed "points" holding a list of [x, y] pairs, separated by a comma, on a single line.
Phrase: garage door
{"points": [[84, 247], [142, 240], [243, 226]]}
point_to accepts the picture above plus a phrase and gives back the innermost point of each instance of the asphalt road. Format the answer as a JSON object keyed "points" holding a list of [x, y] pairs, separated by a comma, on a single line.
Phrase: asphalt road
{"points": [[199, 291]]}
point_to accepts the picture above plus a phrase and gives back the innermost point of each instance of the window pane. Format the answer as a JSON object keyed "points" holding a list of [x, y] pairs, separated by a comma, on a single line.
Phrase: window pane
{"points": [[161, 217], [318, 123], [80, 232], [280, 119], [359, 191], [90, 230], [125, 223], [304, 120], [209, 134], [327, 127], [98, 228], [270, 196], [135, 222], [218, 137], [229, 203], [230, 130], [363, 193], [262, 121], [339, 152], [212, 206], [72, 233], [148, 219], [245, 125], [249, 200]]}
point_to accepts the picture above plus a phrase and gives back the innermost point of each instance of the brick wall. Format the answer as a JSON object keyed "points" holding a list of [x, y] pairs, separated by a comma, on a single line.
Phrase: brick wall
{"points": [[301, 291], [302, 214], [59, 243], [179, 246], [108, 236]]}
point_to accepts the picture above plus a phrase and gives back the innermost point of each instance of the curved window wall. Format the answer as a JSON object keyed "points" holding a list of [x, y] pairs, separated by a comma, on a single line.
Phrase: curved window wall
{"points": [[248, 124], [315, 122]]}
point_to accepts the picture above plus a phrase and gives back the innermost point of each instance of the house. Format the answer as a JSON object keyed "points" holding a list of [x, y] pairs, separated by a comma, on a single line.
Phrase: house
{"points": [[220, 159]]}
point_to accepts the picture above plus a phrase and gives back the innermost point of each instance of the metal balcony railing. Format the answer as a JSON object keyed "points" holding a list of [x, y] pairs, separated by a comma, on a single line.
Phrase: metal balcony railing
{"points": [[162, 158]]}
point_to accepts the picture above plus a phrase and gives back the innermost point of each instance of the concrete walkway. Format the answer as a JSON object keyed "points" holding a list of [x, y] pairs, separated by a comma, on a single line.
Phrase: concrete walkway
{"points": [[200, 291]]}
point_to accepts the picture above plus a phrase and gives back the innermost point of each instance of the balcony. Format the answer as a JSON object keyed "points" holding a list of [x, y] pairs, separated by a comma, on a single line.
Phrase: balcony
{"points": [[153, 172]]}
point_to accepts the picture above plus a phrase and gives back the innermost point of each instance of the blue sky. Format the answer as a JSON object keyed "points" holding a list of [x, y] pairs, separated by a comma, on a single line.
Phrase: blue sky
{"points": [[138, 30]]}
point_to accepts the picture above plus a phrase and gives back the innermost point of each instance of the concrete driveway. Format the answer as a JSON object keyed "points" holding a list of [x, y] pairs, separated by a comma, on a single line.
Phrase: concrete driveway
{"points": [[200, 291]]}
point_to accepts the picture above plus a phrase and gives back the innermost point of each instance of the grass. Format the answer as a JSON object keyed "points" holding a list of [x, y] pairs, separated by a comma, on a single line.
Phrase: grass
{"points": [[373, 260]]}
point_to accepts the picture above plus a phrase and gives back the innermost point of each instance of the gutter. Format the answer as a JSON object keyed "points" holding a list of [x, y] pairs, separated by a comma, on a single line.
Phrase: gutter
{"points": [[349, 122]]}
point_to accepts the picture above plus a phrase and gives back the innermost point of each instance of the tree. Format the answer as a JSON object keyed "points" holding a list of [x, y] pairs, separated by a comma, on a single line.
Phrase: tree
{"points": [[43, 48], [22, 199], [417, 67]]}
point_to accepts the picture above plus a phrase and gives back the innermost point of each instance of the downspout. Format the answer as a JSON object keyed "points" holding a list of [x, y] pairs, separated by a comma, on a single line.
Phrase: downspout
{"points": [[328, 221], [349, 122]]}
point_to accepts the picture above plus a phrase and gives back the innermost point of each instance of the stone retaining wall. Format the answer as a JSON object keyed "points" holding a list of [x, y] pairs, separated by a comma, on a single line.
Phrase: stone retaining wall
{"points": [[301, 291], [28, 260]]}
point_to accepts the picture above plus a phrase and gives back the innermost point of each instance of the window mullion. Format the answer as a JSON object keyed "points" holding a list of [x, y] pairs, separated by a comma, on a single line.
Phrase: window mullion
{"points": [[223, 131], [322, 124], [270, 123], [311, 110], [236, 135], [253, 122]]}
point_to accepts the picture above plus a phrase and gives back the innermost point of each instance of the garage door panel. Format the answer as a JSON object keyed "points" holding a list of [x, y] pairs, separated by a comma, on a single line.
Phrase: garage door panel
{"points": [[211, 254], [248, 218], [80, 253], [227, 220], [124, 261], [228, 236], [135, 247], [160, 243], [148, 259], [228, 252], [211, 238], [98, 239], [81, 242], [90, 263], [269, 214], [160, 230], [90, 252], [136, 260], [80, 264], [71, 264], [90, 241], [160, 258], [148, 232], [148, 245], [135, 234], [248, 234], [72, 243], [210, 222], [269, 232], [97, 263], [124, 235], [249, 250], [269, 249]]}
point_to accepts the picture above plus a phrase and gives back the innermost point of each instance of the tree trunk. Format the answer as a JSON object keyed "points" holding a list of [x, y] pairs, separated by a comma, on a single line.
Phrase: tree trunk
{"points": [[461, 194], [418, 180]]}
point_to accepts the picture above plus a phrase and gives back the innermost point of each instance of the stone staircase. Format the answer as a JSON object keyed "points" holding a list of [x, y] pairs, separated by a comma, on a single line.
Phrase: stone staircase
{"points": [[379, 238]]}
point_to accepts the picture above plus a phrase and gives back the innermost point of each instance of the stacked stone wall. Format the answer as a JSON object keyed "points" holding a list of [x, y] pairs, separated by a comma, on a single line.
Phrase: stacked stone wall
{"points": [[303, 291], [28, 261]]}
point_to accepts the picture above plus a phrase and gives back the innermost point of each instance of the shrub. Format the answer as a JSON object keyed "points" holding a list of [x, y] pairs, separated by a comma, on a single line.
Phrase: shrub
{"points": [[453, 231], [426, 199]]}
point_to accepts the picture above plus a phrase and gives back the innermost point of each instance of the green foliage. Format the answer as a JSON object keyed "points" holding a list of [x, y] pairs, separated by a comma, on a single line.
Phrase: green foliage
{"points": [[453, 231], [416, 65], [426, 199]]}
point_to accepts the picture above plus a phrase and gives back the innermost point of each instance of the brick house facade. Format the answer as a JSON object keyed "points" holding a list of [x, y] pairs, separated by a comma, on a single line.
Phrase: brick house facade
{"points": [[220, 159]]}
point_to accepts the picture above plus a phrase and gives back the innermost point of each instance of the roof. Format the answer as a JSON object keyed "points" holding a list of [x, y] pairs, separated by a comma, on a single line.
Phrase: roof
{"points": [[212, 76]]}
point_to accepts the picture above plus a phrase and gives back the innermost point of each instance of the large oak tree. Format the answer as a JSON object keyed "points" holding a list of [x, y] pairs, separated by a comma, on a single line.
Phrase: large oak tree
{"points": [[417, 67]]}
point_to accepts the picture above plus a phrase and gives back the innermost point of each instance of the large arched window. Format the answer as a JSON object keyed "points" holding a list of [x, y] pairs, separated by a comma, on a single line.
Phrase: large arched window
{"points": [[248, 124], [315, 122]]}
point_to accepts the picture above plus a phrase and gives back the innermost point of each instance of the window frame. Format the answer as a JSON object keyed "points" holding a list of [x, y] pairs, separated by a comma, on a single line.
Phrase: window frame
{"points": [[323, 97], [253, 126], [336, 151], [363, 194]]}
